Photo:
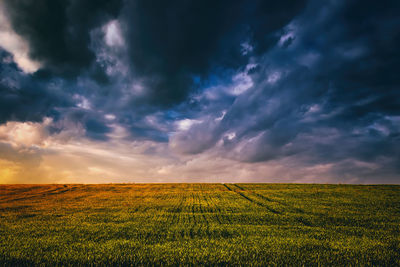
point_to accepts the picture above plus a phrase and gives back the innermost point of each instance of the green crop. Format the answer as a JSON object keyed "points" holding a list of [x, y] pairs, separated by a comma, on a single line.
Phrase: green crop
{"points": [[200, 224]]}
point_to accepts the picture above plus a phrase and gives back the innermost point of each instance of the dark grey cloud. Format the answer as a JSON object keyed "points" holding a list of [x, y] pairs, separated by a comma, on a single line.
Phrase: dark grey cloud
{"points": [[23, 98], [198, 138], [58, 31], [334, 98], [311, 82], [172, 42], [94, 124], [32, 98]]}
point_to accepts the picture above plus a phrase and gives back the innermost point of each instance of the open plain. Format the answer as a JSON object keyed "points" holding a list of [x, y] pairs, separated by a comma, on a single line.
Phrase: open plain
{"points": [[200, 224]]}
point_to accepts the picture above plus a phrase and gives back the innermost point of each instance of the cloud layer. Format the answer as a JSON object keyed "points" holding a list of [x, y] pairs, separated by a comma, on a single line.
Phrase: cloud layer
{"points": [[156, 91]]}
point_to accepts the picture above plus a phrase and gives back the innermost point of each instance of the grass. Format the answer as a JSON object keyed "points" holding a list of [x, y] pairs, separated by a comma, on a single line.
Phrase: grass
{"points": [[200, 224]]}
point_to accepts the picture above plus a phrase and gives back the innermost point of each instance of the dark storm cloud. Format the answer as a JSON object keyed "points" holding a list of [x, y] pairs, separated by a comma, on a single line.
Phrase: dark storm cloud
{"points": [[96, 129], [353, 83], [23, 98], [170, 42], [334, 98], [311, 82], [93, 123], [58, 31], [173, 48], [31, 98]]}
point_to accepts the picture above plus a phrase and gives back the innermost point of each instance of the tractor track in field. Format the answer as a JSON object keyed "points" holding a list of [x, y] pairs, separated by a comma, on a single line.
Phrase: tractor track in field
{"points": [[240, 191], [271, 200], [286, 206], [34, 194], [227, 187], [277, 201]]}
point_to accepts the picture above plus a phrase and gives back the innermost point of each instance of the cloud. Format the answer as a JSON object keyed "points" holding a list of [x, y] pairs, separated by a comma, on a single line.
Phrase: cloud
{"points": [[58, 32], [113, 35], [14, 44], [197, 138], [311, 105], [26, 98], [25, 133], [170, 43], [200, 91]]}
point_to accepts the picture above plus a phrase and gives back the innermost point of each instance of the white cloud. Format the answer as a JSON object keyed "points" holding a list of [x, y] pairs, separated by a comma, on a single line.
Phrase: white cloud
{"points": [[113, 35], [25, 134], [241, 81], [286, 37], [83, 102], [15, 44], [230, 136], [221, 117], [109, 117], [185, 124], [274, 77]]}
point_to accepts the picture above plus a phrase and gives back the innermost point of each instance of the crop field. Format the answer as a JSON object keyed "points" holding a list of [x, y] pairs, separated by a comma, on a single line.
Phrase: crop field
{"points": [[200, 224]]}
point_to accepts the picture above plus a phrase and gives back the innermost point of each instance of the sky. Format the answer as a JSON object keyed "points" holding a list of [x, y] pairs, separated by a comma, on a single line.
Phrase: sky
{"points": [[112, 91]]}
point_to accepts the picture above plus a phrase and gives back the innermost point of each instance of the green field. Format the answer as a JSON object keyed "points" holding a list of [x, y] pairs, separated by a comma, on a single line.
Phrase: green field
{"points": [[200, 224]]}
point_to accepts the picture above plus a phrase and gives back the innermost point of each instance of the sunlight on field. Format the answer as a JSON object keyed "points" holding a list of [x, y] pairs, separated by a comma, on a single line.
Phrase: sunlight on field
{"points": [[202, 224]]}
